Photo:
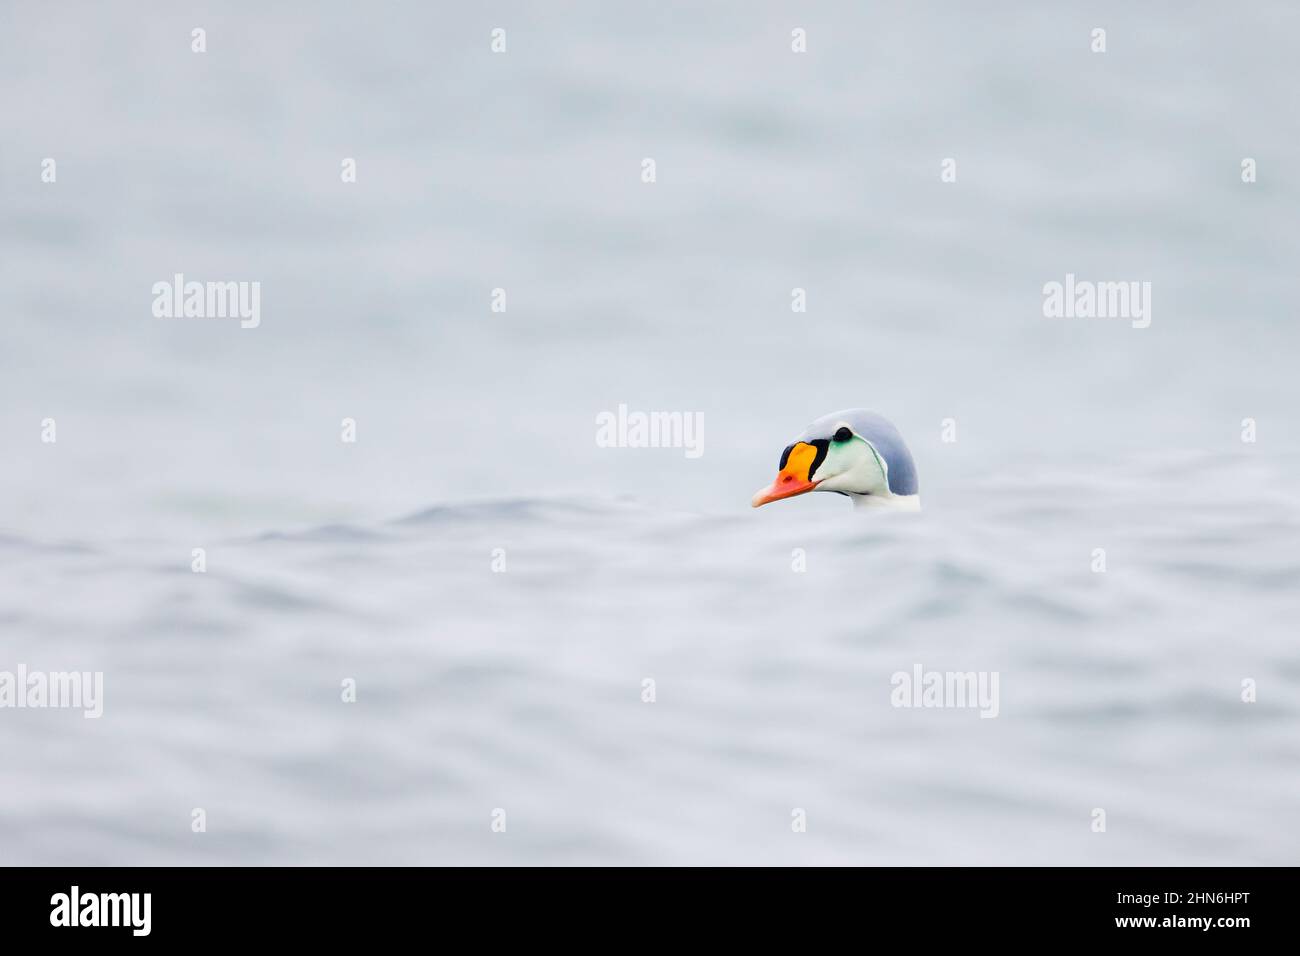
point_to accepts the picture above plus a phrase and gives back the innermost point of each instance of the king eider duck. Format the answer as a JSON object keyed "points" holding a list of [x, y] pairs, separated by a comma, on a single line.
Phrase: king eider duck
{"points": [[855, 452]]}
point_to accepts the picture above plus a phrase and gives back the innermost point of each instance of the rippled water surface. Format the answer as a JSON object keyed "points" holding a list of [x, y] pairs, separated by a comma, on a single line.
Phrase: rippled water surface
{"points": [[522, 689]]}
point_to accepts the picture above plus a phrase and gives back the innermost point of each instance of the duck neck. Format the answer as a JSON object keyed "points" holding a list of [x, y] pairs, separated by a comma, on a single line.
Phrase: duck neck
{"points": [[887, 502]]}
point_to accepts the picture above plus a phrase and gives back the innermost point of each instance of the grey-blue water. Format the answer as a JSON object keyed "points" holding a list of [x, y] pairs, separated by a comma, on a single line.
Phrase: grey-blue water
{"points": [[497, 585]]}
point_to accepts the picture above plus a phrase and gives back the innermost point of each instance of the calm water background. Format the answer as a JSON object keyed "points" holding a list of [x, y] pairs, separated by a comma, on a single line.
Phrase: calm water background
{"points": [[521, 690]]}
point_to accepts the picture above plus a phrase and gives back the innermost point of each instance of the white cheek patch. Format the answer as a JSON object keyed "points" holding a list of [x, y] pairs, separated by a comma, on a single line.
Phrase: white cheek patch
{"points": [[859, 470]]}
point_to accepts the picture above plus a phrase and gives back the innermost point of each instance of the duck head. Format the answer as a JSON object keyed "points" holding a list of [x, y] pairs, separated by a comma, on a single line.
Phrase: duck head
{"points": [[854, 452]]}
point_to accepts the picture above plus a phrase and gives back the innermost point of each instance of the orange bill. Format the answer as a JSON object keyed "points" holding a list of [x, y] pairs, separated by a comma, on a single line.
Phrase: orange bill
{"points": [[793, 479]]}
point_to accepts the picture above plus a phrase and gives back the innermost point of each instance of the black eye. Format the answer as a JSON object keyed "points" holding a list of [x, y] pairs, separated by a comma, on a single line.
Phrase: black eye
{"points": [[844, 434]]}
